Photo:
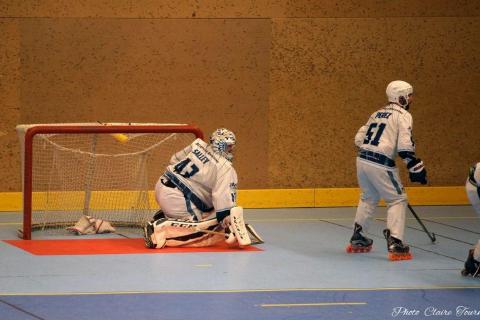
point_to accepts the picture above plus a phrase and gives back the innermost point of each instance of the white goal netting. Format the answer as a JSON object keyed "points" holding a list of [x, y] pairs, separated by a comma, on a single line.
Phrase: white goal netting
{"points": [[72, 170]]}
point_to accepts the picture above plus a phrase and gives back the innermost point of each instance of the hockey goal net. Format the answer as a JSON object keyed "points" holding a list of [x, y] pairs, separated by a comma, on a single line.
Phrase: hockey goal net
{"points": [[106, 171]]}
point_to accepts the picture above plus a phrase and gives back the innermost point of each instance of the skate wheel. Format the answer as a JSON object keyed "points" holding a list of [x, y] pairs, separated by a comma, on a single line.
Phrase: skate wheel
{"points": [[351, 249], [399, 257]]}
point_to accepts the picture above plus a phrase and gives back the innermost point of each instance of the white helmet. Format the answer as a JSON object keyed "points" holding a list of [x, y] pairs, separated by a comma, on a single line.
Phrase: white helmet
{"points": [[398, 92], [223, 141]]}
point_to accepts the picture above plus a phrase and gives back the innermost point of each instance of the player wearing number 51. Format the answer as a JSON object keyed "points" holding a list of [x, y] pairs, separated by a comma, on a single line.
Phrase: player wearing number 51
{"points": [[388, 132], [197, 195]]}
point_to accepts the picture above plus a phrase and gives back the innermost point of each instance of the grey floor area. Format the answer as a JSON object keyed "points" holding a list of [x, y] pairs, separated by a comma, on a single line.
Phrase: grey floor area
{"points": [[304, 250]]}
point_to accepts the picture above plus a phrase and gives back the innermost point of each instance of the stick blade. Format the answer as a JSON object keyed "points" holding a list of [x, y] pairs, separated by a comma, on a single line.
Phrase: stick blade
{"points": [[256, 239]]}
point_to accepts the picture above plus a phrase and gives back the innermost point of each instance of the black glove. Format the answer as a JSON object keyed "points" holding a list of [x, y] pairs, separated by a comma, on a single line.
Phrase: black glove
{"points": [[417, 171]]}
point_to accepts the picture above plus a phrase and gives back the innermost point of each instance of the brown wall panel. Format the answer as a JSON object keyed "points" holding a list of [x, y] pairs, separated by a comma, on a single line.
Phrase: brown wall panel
{"points": [[212, 73], [238, 9], [375, 8], [9, 104], [143, 8], [329, 75], [294, 85]]}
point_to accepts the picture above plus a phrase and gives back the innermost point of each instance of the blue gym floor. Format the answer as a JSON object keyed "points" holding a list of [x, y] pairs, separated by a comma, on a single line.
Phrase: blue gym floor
{"points": [[303, 272]]}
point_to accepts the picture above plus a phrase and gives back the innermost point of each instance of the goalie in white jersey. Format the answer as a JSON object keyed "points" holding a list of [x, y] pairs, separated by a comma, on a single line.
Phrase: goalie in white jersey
{"points": [[197, 195], [472, 186], [387, 133]]}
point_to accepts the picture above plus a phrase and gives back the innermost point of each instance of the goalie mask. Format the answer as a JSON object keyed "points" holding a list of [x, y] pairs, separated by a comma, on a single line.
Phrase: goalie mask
{"points": [[399, 92], [223, 141]]}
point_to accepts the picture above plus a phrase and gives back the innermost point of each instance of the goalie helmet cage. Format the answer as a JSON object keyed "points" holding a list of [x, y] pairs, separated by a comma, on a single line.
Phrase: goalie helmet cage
{"points": [[101, 170]]}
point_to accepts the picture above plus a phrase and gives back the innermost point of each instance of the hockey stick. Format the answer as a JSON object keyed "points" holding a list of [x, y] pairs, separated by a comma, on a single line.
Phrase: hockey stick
{"points": [[253, 234], [120, 137], [255, 237], [430, 235]]}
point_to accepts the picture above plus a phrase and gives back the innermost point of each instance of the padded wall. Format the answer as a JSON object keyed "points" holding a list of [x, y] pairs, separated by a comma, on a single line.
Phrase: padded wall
{"points": [[293, 79]]}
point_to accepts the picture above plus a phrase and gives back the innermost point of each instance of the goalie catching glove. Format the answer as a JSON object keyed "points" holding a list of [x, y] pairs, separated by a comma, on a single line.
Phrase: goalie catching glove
{"points": [[417, 171]]}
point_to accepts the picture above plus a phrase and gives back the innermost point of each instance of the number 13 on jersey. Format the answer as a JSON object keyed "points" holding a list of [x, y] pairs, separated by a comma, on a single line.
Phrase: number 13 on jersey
{"points": [[186, 171]]}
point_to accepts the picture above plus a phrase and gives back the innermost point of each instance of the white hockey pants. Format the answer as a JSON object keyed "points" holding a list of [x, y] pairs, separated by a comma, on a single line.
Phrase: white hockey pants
{"points": [[379, 183], [175, 206]]}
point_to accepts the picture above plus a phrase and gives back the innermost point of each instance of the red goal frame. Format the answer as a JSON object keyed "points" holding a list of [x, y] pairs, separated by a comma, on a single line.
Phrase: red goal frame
{"points": [[81, 128]]}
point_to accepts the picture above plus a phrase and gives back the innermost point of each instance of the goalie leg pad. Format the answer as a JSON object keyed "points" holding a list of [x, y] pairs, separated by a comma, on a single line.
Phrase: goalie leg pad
{"points": [[230, 238], [176, 233], [204, 238], [237, 226], [255, 237], [148, 236]]}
